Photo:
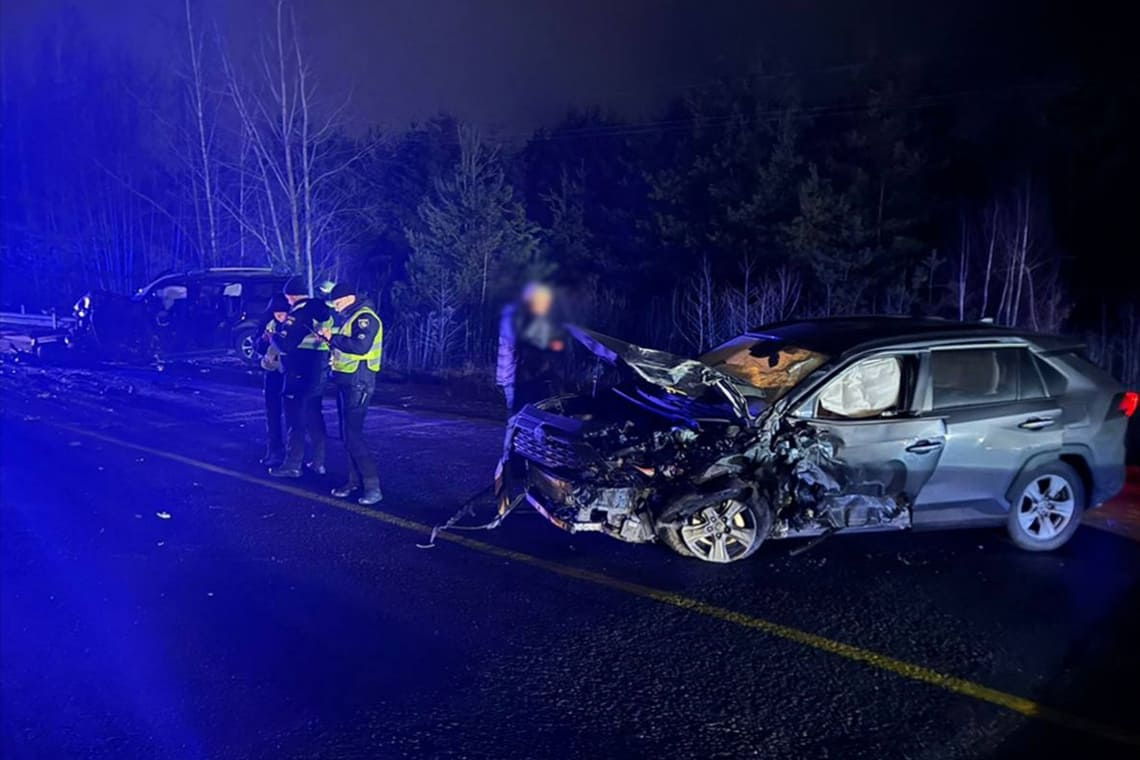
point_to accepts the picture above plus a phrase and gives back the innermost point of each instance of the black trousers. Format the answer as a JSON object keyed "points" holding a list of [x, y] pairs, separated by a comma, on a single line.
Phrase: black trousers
{"points": [[304, 386], [353, 396], [529, 391], [274, 410]]}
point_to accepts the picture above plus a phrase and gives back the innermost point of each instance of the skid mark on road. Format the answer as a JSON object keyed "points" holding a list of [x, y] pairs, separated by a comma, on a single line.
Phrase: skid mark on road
{"points": [[909, 670]]}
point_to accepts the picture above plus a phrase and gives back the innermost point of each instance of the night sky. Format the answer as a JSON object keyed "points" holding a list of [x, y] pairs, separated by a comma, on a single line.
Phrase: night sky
{"points": [[513, 65], [517, 64]]}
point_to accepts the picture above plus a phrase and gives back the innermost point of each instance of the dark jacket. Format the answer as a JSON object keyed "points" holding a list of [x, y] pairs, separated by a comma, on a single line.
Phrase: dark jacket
{"points": [[304, 319], [530, 348]]}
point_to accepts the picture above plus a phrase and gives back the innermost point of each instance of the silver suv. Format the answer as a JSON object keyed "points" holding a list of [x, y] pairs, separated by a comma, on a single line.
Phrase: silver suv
{"points": [[811, 428]]}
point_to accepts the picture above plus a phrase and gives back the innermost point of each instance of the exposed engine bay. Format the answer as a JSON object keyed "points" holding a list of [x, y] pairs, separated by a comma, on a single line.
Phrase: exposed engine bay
{"points": [[696, 465], [630, 478]]}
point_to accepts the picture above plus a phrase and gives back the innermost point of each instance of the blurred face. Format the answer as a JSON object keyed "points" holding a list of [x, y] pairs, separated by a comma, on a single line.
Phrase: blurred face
{"points": [[294, 299], [340, 304], [539, 300], [280, 315]]}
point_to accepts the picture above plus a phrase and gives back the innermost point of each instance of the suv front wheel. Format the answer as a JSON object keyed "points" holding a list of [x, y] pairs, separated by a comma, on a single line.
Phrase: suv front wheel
{"points": [[728, 531], [1046, 507]]}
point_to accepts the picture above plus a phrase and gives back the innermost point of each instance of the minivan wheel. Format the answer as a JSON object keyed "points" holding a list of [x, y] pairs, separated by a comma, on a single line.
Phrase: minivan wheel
{"points": [[1046, 508], [728, 531]]}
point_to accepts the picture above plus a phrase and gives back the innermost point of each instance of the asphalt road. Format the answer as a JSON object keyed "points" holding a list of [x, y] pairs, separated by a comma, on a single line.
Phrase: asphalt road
{"points": [[160, 597]]}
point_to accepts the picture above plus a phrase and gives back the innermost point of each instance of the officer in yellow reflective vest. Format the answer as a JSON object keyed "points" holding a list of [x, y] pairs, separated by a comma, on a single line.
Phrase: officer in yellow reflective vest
{"points": [[355, 360], [304, 357]]}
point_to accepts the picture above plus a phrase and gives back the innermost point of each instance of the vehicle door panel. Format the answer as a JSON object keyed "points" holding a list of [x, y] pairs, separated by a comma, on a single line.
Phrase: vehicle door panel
{"points": [[987, 442], [985, 449], [884, 447], [899, 455]]}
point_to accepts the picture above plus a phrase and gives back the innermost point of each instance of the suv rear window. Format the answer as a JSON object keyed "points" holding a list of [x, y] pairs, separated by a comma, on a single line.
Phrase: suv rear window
{"points": [[967, 377]]}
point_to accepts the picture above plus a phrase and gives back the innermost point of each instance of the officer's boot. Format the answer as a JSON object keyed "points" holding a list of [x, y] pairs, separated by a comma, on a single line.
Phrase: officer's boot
{"points": [[274, 456], [348, 489], [371, 494], [317, 463]]}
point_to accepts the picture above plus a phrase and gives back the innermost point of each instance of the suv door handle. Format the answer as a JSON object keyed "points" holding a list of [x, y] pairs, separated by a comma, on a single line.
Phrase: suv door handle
{"points": [[1037, 423], [924, 447]]}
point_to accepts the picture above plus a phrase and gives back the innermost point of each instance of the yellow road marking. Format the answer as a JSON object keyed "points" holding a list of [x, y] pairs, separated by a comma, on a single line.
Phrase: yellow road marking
{"points": [[909, 670]]}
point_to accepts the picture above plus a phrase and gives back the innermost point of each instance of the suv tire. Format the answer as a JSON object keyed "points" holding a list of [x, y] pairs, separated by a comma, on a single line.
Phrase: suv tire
{"points": [[1046, 508], [726, 532], [244, 340]]}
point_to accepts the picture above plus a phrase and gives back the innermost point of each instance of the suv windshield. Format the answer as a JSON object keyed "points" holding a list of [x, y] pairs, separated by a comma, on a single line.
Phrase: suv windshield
{"points": [[769, 366]]}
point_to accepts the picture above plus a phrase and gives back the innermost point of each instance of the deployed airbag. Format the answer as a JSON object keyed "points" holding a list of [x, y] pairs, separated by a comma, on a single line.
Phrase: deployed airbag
{"points": [[866, 389]]}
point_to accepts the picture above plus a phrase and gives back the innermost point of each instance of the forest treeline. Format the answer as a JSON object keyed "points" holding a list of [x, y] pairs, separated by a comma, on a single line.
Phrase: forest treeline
{"points": [[750, 199]]}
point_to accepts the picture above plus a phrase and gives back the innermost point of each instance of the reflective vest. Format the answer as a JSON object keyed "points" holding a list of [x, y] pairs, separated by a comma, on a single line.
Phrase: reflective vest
{"points": [[271, 362], [347, 363]]}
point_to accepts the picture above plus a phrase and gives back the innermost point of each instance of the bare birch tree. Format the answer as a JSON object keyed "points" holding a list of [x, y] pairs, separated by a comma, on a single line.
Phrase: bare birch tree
{"points": [[204, 164], [298, 156], [697, 309]]}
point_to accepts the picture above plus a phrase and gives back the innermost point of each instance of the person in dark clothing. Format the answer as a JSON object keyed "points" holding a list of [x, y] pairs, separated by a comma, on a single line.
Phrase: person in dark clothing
{"points": [[532, 342], [304, 356], [275, 315], [356, 343]]}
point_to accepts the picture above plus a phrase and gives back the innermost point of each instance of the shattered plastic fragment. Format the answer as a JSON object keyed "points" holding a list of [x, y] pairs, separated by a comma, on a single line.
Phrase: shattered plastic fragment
{"points": [[162, 515]]}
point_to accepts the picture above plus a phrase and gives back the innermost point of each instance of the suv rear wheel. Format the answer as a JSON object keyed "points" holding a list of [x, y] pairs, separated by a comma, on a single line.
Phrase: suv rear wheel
{"points": [[244, 340], [1046, 508]]}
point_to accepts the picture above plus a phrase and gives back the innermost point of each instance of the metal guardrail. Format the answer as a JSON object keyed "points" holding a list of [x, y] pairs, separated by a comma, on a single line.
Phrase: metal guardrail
{"points": [[48, 321]]}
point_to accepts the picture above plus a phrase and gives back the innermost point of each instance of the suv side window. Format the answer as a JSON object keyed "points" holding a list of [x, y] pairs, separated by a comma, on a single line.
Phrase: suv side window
{"points": [[257, 294], [874, 387], [1030, 384], [1055, 381], [973, 376]]}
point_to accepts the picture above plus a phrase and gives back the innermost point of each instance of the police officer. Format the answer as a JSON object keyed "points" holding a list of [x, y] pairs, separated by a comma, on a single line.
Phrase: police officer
{"points": [[304, 356], [276, 313], [356, 344]]}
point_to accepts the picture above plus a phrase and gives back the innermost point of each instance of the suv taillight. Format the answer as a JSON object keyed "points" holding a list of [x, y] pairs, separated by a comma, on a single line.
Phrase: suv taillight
{"points": [[1129, 403]]}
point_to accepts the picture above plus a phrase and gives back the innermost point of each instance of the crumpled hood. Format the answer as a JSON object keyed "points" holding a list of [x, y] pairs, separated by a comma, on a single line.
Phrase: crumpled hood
{"points": [[676, 375]]}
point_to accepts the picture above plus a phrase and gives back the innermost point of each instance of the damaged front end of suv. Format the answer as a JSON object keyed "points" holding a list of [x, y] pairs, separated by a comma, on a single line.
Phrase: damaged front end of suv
{"points": [[698, 455]]}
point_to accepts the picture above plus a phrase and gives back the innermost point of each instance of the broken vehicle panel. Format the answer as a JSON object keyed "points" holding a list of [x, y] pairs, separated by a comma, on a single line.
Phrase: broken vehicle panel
{"points": [[697, 465], [760, 438]]}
